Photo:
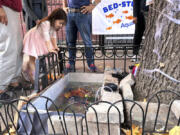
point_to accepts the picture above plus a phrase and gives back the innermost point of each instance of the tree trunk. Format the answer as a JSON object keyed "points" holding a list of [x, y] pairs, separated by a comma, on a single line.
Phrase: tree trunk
{"points": [[160, 63]]}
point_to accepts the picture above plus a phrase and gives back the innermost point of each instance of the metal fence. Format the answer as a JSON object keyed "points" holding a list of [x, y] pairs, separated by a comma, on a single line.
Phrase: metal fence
{"points": [[30, 120], [106, 48], [51, 66]]}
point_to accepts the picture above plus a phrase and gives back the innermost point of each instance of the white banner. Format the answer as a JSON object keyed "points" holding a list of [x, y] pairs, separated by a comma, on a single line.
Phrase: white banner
{"points": [[113, 17]]}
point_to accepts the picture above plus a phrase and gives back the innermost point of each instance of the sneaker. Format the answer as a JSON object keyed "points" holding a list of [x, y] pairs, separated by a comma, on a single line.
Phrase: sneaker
{"points": [[20, 87], [92, 68], [4, 96], [70, 68], [15, 88]]}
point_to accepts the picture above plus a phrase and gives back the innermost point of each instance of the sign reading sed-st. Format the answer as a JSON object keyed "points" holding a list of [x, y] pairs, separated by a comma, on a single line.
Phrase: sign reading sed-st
{"points": [[116, 5], [113, 17]]}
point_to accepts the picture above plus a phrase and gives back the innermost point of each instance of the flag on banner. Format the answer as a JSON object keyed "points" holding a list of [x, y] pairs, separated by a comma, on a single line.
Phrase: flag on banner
{"points": [[113, 17], [135, 69]]}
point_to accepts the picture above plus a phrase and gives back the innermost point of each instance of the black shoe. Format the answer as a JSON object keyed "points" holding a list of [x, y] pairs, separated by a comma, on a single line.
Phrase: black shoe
{"points": [[28, 86], [15, 88], [4, 96], [20, 87]]}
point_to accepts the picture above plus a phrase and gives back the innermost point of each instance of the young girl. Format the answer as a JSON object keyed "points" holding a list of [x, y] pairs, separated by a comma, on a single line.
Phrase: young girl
{"points": [[41, 40]]}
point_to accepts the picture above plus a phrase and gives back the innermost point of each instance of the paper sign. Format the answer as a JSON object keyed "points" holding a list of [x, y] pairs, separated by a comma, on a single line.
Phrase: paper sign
{"points": [[113, 17]]}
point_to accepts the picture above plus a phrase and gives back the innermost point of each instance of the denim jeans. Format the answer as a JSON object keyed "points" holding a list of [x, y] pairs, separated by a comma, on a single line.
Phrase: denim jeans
{"points": [[37, 8], [82, 23]]}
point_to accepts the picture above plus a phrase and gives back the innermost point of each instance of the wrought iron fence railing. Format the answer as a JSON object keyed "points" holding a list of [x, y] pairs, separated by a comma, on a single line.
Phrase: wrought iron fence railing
{"points": [[51, 66], [29, 119]]}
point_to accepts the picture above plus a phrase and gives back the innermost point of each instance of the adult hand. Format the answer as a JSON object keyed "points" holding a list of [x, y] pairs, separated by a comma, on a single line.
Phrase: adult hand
{"points": [[87, 9], [3, 17], [135, 20], [65, 9], [37, 21]]}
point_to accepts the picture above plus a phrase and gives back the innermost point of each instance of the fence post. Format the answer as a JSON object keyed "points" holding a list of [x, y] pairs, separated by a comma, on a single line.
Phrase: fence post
{"points": [[36, 79], [101, 43], [61, 59], [44, 71]]}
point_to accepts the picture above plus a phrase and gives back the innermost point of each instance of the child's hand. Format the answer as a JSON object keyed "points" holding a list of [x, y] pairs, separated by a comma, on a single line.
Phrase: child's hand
{"points": [[52, 50], [56, 48], [37, 22]]}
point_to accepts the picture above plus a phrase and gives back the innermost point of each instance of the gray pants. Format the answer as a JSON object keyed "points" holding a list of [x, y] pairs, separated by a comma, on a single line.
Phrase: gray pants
{"points": [[10, 49]]}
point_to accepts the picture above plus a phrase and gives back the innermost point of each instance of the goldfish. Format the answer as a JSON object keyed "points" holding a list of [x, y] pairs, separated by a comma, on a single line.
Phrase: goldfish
{"points": [[108, 28], [67, 95], [125, 11], [117, 21], [110, 15], [53, 77], [130, 17], [50, 76], [80, 92]]}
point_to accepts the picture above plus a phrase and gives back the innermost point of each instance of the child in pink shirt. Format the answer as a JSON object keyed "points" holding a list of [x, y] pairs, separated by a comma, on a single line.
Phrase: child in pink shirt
{"points": [[41, 40]]}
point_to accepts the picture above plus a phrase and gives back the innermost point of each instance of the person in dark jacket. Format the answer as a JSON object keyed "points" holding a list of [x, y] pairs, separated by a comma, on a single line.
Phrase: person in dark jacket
{"points": [[34, 10], [139, 9]]}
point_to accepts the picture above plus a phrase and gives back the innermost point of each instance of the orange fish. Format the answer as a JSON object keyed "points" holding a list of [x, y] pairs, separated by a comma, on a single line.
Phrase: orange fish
{"points": [[67, 95], [117, 21], [108, 28], [125, 11], [53, 77], [80, 92], [130, 17], [110, 15]]}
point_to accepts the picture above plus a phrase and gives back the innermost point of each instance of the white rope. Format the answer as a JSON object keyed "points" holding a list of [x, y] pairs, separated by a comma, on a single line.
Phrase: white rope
{"points": [[161, 72]]}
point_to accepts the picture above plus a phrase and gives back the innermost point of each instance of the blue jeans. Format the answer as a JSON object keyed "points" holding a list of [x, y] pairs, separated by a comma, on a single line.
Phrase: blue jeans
{"points": [[82, 23]]}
